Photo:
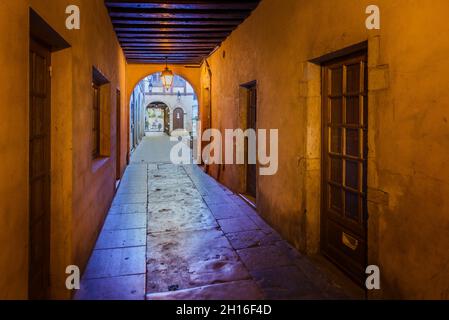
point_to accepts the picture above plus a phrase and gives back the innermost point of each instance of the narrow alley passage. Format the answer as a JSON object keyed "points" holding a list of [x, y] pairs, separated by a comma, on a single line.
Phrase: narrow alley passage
{"points": [[173, 232]]}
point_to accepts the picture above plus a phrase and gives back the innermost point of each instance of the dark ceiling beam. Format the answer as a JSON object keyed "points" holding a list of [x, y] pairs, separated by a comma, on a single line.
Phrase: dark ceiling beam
{"points": [[127, 28], [162, 58], [168, 49], [166, 35], [163, 55], [163, 29], [184, 63], [163, 49], [167, 52], [142, 44], [179, 45], [180, 4], [176, 22], [177, 14], [169, 60], [170, 40]]}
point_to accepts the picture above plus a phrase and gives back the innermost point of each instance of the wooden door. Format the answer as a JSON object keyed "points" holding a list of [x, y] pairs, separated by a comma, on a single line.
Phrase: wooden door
{"points": [[39, 171], [118, 134], [178, 119], [251, 169], [344, 207]]}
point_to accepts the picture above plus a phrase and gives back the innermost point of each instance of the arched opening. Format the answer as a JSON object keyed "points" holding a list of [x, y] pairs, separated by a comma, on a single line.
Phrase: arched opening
{"points": [[157, 118], [156, 114]]}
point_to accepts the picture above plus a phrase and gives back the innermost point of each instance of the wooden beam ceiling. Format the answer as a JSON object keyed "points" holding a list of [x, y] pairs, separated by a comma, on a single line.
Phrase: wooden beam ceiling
{"points": [[183, 31]]}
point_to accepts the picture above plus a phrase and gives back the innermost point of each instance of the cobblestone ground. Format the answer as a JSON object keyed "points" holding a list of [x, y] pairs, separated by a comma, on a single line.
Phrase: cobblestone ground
{"points": [[173, 232]]}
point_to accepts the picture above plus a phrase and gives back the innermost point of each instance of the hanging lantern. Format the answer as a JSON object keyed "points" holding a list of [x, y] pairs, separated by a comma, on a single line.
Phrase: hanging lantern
{"points": [[167, 77]]}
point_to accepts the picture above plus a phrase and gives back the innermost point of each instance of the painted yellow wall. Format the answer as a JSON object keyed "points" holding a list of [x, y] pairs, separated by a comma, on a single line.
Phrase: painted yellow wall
{"points": [[13, 149], [408, 126], [80, 195]]}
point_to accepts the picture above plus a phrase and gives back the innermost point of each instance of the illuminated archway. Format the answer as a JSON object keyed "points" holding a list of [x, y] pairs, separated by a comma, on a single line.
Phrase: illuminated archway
{"points": [[149, 92]]}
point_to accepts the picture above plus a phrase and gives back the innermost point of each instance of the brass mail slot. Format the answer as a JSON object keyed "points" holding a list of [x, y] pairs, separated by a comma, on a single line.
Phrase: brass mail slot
{"points": [[349, 241]]}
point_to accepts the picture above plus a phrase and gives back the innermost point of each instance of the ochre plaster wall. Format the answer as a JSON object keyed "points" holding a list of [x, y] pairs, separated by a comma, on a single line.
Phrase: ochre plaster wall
{"points": [[408, 126], [81, 191]]}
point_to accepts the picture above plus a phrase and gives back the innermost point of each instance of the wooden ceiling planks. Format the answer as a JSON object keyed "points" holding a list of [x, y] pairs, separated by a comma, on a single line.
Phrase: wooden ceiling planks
{"points": [[183, 31]]}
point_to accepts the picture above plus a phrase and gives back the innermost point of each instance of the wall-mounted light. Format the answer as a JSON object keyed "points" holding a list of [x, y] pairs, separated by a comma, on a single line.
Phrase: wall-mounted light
{"points": [[167, 76]]}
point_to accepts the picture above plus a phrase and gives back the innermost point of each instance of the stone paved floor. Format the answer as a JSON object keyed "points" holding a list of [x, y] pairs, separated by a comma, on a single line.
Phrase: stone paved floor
{"points": [[173, 232]]}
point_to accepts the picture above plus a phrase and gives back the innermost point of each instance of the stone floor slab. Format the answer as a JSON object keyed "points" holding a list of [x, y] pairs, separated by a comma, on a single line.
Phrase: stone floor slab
{"points": [[110, 239], [226, 211], [266, 257], [115, 288], [252, 238], [128, 208], [129, 198], [177, 216], [237, 225], [125, 221], [116, 262]]}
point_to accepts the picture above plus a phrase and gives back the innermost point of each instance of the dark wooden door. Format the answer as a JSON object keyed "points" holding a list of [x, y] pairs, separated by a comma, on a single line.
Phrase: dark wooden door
{"points": [[344, 208], [118, 134], [178, 119], [251, 169], [39, 171]]}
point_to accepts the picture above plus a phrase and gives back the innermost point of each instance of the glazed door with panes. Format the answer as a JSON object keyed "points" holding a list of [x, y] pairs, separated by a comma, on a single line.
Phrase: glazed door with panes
{"points": [[344, 208]]}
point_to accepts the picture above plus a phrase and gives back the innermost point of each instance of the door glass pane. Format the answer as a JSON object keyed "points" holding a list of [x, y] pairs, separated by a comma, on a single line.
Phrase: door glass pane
{"points": [[352, 205], [336, 140], [352, 110], [352, 142], [353, 78], [336, 170], [352, 174], [336, 111], [337, 81], [335, 198]]}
